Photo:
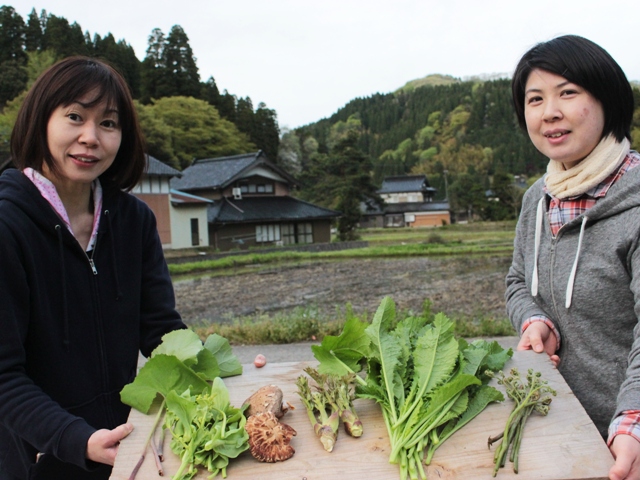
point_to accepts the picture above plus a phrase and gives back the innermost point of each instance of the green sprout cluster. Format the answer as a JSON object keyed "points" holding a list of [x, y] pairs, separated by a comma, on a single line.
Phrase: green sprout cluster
{"points": [[532, 394]]}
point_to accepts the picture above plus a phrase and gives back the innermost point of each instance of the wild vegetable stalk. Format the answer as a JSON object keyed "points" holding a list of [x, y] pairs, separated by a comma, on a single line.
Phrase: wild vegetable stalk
{"points": [[534, 395], [323, 417], [338, 393], [147, 441]]}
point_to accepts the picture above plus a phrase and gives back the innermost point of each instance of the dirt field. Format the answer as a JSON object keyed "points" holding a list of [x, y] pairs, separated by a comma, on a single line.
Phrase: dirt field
{"points": [[471, 286]]}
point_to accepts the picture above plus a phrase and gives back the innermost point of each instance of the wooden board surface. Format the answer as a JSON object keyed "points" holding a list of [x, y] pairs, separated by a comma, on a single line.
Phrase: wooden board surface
{"points": [[563, 445]]}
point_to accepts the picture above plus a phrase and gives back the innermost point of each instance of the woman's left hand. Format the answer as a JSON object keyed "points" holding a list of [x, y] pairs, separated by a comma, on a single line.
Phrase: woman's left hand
{"points": [[626, 451]]}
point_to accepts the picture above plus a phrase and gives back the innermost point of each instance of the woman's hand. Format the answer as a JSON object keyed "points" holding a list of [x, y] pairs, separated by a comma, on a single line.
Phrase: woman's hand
{"points": [[539, 338], [102, 446], [626, 451]]}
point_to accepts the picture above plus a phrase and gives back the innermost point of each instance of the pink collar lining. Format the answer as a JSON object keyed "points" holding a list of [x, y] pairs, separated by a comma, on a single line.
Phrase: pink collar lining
{"points": [[49, 193]]}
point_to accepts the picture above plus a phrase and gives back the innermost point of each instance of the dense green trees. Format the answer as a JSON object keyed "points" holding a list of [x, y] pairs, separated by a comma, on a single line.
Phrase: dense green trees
{"points": [[168, 71], [341, 178], [181, 129]]}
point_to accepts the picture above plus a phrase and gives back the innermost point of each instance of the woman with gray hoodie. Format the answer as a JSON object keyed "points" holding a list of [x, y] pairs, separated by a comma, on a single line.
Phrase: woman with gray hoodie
{"points": [[573, 289]]}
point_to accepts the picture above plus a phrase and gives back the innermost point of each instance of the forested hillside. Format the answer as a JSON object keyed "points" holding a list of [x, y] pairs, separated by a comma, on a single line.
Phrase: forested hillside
{"points": [[463, 135], [183, 117]]}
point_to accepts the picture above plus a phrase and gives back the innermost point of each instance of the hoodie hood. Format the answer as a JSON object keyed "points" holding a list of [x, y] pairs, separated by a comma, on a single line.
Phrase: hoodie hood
{"points": [[20, 191]]}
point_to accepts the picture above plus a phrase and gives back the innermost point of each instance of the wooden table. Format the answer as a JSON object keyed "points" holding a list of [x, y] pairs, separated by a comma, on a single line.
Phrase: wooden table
{"points": [[563, 445]]}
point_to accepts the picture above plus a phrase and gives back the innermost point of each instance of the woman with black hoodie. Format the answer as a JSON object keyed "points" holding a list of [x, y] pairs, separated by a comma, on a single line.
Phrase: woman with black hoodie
{"points": [[84, 283]]}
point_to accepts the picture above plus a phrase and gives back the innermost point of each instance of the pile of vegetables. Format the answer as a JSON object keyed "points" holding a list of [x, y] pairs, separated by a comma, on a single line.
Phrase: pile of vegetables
{"points": [[428, 383], [185, 376], [206, 430], [533, 394], [329, 401]]}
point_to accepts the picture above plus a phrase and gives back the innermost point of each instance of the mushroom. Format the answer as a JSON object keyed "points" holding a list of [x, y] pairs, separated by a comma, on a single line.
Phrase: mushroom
{"points": [[267, 399], [268, 438]]}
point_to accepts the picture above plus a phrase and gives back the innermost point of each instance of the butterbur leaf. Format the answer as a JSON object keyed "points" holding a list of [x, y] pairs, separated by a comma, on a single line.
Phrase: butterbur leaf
{"points": [[160, 374], [184, 344], [227, 361], [207, 365]]}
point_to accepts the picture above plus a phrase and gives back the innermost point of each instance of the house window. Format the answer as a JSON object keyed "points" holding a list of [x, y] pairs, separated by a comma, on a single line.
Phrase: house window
{"points": [[268, 188], [297, 233], [288, 233], [305, 232], [267, 233], [195, 232]]}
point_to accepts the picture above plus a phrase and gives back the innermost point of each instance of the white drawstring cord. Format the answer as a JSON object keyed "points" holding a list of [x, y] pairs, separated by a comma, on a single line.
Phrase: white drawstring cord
{"points": [[534, 277], [572, 277]]}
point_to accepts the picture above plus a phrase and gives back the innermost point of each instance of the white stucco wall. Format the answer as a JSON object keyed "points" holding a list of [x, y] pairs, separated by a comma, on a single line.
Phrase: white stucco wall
{"points": [[181, 225]]}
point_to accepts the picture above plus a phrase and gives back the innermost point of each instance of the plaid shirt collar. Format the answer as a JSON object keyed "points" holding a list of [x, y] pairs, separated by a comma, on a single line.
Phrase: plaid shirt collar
{"points": [[562, 211]]}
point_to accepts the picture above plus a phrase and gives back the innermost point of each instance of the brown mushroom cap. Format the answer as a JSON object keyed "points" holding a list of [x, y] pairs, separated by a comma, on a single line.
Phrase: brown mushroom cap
{"points": [[266, 399], [268, 438]]}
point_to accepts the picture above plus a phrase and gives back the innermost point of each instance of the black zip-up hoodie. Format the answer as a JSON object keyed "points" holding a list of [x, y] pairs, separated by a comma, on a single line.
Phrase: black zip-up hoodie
{"points": [[71, 326]]}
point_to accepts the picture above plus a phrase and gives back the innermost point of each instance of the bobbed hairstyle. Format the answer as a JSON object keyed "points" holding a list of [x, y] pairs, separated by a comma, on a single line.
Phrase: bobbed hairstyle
{"points": [[63, 84], [586, 64]]}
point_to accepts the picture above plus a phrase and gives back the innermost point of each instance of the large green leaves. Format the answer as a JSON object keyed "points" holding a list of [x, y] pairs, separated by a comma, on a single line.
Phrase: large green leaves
{"points": [[179, 363], [221, 350], [428, 383], [386, 349], [342, 354], [160, 375]]}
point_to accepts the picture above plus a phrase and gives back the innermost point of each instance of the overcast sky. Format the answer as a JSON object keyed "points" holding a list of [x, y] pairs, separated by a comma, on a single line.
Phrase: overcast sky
{"points": [[307, 58]]}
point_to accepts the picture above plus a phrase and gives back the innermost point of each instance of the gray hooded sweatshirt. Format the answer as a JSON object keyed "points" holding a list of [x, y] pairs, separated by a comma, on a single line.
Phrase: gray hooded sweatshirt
{"points": [[595, 309]]}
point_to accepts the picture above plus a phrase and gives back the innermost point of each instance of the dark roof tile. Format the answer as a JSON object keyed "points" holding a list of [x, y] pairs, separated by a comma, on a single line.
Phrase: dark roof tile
{"points": [[405, 183], [156, 167], [254, 209]]}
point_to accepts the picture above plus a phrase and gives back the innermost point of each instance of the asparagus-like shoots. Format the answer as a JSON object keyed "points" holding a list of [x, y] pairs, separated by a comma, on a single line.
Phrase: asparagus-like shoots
{"points": [[344, 396], [324, 419]]}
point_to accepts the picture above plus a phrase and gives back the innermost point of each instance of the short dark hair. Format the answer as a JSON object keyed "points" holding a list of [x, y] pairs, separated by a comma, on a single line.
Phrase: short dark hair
{"points": [[62, 84], [586, 64]]}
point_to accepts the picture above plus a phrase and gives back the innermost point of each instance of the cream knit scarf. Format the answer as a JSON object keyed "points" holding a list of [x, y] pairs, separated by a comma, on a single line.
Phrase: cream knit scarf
{"points": [[598, 165]]}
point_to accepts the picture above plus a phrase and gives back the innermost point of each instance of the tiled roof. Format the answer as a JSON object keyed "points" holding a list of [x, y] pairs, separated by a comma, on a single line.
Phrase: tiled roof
{"points": [[273, 208], [404, 183], [156, 167], [217, 173], [410, 207]]}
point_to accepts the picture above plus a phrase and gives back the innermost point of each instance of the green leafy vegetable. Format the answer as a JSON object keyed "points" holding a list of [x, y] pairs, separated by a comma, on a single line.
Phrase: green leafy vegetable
{"points": [[180, 362], [206, 430], [428, 383]]}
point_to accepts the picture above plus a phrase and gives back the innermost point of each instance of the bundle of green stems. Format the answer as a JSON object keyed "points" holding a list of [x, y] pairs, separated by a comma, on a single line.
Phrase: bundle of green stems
{"points": [[533, 394]]}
